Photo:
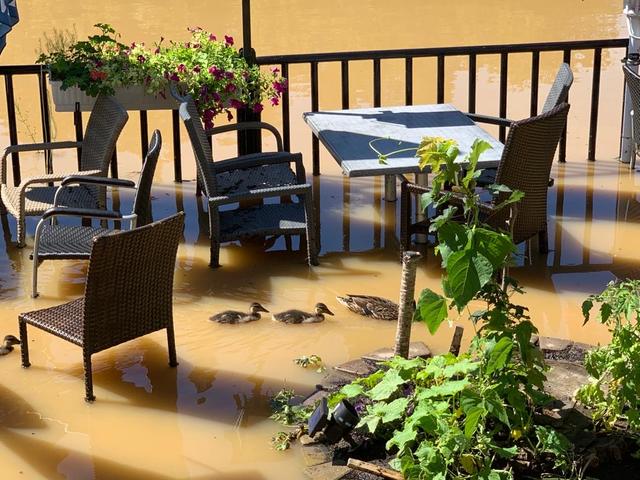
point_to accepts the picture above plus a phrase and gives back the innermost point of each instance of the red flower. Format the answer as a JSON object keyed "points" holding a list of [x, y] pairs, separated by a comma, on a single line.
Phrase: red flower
{"points": [[196, 69], [275, 70], [212, 37], [174, 76], [228, 40], [230, 88], [236, 103], [141, 58], [97, 75], [258, 107], [182, 68], [275, 101]]}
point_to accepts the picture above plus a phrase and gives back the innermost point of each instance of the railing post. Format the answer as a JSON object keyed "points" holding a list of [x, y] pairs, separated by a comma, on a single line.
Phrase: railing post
{"points": [[248, 141]]}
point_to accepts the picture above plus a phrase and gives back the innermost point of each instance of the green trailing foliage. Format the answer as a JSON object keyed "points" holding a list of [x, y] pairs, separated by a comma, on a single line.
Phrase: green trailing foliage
{"points": [[310, 361], [614, 392], [285, 411]]}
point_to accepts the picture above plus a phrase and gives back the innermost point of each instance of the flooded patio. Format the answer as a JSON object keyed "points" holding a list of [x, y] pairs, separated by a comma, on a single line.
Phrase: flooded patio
{"points": [[209, 417]]}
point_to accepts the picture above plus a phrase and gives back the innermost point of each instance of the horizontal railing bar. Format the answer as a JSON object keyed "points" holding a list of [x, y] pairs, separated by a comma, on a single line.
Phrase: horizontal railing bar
{"points": [[444, 51]]}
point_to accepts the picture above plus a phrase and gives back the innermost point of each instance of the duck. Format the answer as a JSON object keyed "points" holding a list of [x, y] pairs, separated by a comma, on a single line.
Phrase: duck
{"points": [[298, 316], [8, 343], [370, 306], [233, 317]]}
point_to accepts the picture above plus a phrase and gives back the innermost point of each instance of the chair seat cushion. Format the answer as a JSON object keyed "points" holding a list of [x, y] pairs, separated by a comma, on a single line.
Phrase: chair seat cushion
{"points": [[266, 176], [269, 219], [40, 199], [64, 321], [61, 241]]}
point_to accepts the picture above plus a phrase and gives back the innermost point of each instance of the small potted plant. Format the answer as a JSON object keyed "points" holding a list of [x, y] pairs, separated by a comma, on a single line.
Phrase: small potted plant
{"points": [[212, 71]]}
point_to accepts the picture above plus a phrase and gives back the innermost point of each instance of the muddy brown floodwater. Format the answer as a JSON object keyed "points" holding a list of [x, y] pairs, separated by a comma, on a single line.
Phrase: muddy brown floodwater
{"points": [[209, 417]]}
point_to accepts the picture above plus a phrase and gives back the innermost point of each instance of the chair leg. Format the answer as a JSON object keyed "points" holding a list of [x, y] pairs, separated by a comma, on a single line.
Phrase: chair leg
{"points": [[171, 344], [21, 231], [405, 218], [312, 241], [543, 241], [214, 233], [24, 344], [88, 378]]}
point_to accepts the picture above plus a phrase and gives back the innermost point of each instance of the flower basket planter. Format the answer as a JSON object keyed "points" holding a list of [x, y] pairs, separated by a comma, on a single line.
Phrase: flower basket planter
{"points": [[131, 98]]}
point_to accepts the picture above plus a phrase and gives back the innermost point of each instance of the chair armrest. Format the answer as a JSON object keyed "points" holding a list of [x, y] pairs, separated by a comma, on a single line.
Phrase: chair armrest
{"points": [[256, 160], [241, 126], [299, 189], [82, 212], [51, 177], [503, 122], [32, 147], [96, 180]]}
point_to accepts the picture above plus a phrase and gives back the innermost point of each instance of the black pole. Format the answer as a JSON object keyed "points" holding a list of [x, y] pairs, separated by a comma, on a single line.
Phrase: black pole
{"points": [[248, 141]]}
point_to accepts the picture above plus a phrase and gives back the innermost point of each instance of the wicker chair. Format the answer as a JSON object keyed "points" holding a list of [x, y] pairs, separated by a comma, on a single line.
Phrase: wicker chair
{"points": [[525, 166], [105, 124], [128, 294], [633, 83], [61, 242], [249, 178], [557, 95]]}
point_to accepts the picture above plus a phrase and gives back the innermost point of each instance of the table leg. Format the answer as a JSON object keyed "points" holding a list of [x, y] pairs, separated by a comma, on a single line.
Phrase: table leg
{"points": [[421, 179], [390, 188]]}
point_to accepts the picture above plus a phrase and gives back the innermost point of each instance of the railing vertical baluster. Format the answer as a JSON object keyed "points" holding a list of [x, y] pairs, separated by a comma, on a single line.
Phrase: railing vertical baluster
{"points": [[77, 123], [440, 92], [344, 76], [114, 163], [286, 121], [595, 96], [408, 81], [144, 133], [473, 66], [45, 119], [315, 145], [562, 154], [535, 82], [13, 128], [504, 76], [177, 153], [377, 95]]}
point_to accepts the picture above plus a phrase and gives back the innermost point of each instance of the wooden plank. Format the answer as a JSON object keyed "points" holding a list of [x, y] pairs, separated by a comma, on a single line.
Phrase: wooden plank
{"points": [[347, 135]]}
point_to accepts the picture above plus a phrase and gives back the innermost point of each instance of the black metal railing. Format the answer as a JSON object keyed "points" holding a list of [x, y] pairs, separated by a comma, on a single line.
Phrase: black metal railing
{"points": [[344, 59], [442, 54]]}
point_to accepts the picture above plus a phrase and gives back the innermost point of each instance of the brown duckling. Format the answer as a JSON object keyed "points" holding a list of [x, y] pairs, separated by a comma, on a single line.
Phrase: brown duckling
{"points": [[233, 317], [370, 306], [298, 316], [8, 343]]}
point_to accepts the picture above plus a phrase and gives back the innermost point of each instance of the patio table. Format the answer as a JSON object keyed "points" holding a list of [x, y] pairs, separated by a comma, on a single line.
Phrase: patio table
{"points": [[347, 135]]}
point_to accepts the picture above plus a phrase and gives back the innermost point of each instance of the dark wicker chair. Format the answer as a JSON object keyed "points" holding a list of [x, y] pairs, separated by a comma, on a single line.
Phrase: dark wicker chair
{"points": [[558, 94], [633, 83], [525, 166], [105, 124], [128, 294], [53, 241], [251, 178]]}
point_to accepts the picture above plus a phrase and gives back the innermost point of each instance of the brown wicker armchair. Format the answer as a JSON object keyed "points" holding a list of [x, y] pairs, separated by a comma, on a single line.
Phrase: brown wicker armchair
{"points": [[128, 294], [525, 166], [26, 199]]}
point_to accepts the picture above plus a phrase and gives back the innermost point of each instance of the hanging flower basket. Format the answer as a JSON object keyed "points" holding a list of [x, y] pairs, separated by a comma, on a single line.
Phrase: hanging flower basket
{"points": [[213, 72]]}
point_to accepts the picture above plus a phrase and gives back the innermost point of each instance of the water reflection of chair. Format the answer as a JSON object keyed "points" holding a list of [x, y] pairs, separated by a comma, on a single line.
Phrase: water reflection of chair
{"points": [[63, 242], [633, 83], [128, 294], [105, 124], [251, 178], [525, 166]]}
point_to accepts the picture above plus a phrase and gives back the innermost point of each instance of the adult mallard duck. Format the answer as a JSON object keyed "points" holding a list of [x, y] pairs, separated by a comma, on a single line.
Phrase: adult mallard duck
{"points": [[233, 317], [298, 316], [8, 343], [370, 306]]}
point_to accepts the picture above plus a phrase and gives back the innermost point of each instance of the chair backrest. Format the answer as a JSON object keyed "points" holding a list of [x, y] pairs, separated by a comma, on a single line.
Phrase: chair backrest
{"points": [[526, 165], [103, 129], [560, 89], [129, 288], [200, 144], [633, 83], [142, 200]]}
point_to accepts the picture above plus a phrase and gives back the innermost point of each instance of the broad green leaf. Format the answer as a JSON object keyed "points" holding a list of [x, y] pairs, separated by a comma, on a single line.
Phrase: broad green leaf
{"points": [[468, 463], [352, 390], [478, 148], [499, 355], [447, 389], [468, 273], [494, 246], [452, 237], [472, 419], [469, 399], [505, 452], [431, 309], [387, 386], [402, 439], [462, 367]]}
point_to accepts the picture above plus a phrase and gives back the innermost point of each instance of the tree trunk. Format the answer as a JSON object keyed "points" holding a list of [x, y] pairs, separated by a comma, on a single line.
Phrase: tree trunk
{"points": [[405, 310]]}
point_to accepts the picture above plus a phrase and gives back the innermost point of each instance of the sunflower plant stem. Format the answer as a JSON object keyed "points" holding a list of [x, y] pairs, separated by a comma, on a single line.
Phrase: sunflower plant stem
{"points": [[405, 311]]}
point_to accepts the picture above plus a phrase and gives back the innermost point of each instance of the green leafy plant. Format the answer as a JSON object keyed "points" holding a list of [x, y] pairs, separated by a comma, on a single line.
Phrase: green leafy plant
{"points": [[615, 368], [212, 71], [311, 361], [286, 413]]}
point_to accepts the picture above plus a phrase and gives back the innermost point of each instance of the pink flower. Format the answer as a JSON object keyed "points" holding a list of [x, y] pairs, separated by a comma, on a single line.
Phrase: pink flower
{"points": [[157, 50], [229, 75], [174, 77], [141, 58], [236, 103], [212, 37], [228, 40], [275, 101], [229, 115], [182, 68], [230, 88], [216, 72], [207, 117], [279, 87], [275, 70], [258, 107], [133, 45], [215, 96], [197, 69]]}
